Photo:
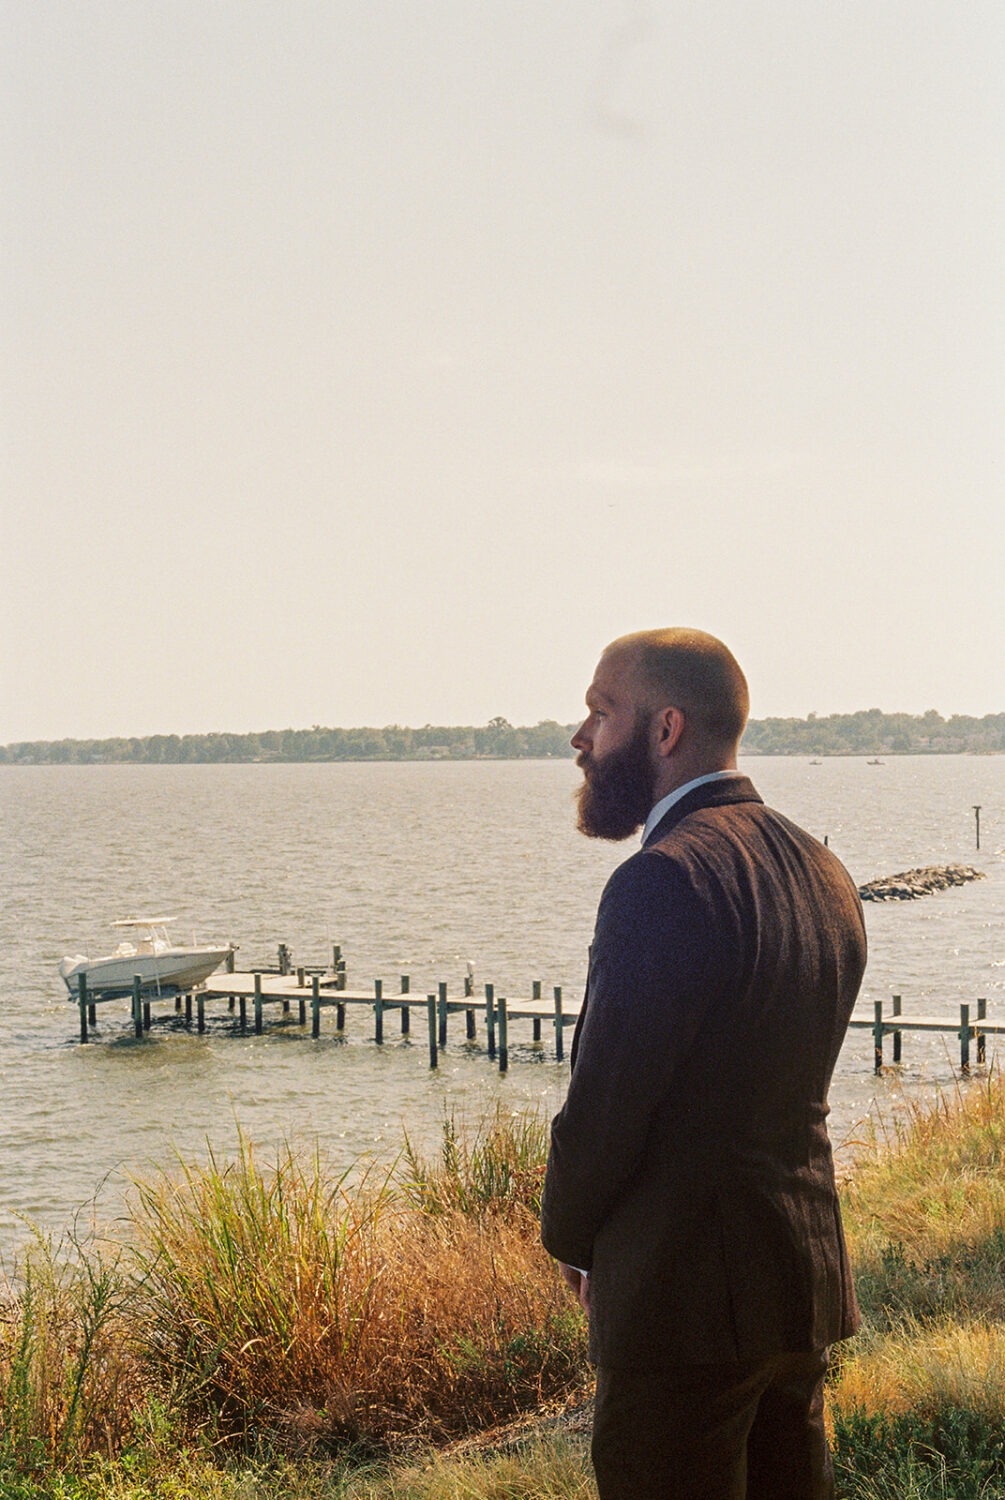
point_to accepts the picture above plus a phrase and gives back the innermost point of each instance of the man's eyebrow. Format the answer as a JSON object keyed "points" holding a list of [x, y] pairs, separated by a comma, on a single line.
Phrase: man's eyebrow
{"points": [[593, 696]]}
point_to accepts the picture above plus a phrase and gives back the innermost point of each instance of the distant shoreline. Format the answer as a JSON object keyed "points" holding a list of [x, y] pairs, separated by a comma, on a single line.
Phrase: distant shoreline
{"points": [[869, 732]]}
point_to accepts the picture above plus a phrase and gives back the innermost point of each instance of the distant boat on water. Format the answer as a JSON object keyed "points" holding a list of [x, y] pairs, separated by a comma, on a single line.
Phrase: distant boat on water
{"points": [[875, 762]]}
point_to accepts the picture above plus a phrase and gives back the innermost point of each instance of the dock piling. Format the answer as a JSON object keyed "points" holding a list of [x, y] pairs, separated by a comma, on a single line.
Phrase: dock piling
{"points": [[535, 993], [964, 1038], [469, 1015], [431, 1016], [200, 1014], [137, 1005], [896, 1034], [877, 1035], [406, 1010], [315, 1006], [82, 1001], [559, 1025], [258, 1004], [443, 1013], [982, 1015], [490, 1019], [378, 1012], [503, 1035]]}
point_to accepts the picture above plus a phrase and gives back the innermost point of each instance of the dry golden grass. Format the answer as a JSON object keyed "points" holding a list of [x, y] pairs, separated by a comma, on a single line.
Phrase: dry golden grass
{"points": [[925, 1370], [70, 1374], [322, 1312], [939, 1180]]}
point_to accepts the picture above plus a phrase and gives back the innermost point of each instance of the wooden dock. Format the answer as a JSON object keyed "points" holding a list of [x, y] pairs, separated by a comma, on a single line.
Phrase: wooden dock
{"points": [[314, 990]]}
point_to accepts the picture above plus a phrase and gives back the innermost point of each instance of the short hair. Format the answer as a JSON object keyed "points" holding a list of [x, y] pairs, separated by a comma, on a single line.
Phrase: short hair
{"points": [[696, 672]]}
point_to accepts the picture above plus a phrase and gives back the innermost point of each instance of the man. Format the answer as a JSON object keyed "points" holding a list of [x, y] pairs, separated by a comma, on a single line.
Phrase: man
{"points": [[690, 1189]]}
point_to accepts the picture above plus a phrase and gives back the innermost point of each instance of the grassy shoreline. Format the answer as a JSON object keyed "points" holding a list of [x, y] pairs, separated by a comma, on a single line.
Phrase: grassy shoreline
{"points": [[267, 1330]]}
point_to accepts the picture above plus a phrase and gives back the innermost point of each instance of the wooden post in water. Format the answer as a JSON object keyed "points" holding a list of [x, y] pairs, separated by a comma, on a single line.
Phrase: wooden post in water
{"points": [[964, 1038], [503, 1035], [977, 816], [177, 1002], [559, 1025], [490, 1019], [258, 1004], [228, 966], [469, 1015], [301, 971], [431, 1017], [315, 1005], [982, 1015], [896, 1034], [302, 1007], [188, 1008], [242, 1010], [340, 1017], [82, 1002], [443, 1013], [378, 1012], [535, 993], [877, 1034], [146, 1015], [137, 1005], [200, 1013], [406, 1018]]}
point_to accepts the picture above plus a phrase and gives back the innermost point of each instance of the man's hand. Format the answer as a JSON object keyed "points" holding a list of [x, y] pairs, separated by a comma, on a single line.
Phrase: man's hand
{"points": [[578, 1282]]}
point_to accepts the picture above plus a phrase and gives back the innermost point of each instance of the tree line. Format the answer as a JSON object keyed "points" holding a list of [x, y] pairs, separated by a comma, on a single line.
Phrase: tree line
{"points": [[868, 732]]}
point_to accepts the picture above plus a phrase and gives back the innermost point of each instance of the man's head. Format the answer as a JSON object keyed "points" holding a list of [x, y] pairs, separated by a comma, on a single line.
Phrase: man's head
{"points": [[664, 706]]}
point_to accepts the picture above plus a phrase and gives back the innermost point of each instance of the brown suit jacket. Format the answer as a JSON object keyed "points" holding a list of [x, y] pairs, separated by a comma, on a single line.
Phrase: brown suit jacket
{"points": [[690, 1169]]}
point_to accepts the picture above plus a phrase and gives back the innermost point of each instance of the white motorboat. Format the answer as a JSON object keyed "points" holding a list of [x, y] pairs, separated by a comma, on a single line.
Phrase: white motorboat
{"points": [[164, 967]]}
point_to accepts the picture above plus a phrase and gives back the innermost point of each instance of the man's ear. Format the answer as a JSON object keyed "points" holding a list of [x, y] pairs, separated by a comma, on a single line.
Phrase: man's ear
{"points": [[669, 727]]}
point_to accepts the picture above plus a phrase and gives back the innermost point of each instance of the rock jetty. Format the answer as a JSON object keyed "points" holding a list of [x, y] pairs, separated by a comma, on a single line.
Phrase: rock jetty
{"points": [[911, 884]]}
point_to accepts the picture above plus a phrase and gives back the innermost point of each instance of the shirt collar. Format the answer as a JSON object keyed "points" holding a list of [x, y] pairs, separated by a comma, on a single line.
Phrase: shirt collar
{"points": [[664, 805]]}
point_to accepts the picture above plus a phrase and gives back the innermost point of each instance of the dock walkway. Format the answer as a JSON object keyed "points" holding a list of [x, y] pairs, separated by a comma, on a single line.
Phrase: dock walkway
{"points": [[316, 990]]}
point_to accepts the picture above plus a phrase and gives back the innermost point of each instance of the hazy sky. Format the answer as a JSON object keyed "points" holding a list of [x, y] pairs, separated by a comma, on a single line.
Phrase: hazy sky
{"points": [[379, 362]]}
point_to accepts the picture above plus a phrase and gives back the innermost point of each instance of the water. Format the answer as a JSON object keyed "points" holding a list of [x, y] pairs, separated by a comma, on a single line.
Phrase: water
{"points": [[414, 868]]}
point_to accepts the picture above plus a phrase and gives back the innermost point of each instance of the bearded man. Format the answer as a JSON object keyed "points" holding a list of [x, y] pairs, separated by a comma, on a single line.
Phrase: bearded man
{"points": [[690, 1191]]}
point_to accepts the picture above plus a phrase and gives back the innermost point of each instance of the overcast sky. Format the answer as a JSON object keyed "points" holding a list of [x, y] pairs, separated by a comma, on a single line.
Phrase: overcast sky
{"points": [[379, 362]]}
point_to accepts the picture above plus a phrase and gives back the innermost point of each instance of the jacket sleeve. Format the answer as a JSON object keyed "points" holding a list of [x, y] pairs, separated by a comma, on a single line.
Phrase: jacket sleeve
{"points": [[650, 984]]}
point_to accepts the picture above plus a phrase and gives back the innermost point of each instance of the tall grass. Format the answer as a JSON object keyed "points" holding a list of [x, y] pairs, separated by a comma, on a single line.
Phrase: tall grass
{"points": [[918, 1401], [497, 1168], [70, 1377], [274, 1329]]}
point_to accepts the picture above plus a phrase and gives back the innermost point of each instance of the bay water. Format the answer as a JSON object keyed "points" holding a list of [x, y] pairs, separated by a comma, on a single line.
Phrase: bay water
{"points": [[417, 868]]}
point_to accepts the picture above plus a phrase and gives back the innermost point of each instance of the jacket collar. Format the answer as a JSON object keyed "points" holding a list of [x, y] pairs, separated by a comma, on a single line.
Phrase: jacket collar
{"points": [[711, 794]]}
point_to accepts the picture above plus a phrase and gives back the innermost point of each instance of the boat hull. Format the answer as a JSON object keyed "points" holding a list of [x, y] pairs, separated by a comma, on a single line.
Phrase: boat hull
{"points": [[165, 973]]}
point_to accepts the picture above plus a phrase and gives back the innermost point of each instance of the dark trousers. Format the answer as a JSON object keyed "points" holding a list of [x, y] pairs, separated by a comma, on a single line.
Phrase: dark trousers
{"points": [[752, 1431]]}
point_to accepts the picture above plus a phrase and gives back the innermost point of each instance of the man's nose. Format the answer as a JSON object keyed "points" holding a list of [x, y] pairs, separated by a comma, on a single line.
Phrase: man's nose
{"points": [[579, 740]]}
